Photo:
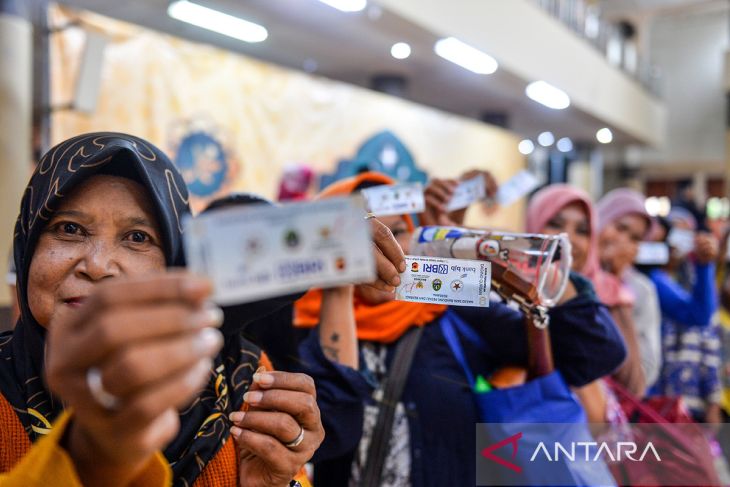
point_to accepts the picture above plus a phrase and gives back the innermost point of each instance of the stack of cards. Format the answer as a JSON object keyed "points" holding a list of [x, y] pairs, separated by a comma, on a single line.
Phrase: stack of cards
{"points": [[256, 252], [454, 282]]}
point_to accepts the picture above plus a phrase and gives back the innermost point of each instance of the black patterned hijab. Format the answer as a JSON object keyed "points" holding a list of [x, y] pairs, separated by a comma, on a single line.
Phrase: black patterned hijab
{"points": [[204, 427]]}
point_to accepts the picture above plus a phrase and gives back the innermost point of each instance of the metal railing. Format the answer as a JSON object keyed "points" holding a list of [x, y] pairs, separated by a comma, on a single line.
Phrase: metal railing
{"points": [[584, 19]]}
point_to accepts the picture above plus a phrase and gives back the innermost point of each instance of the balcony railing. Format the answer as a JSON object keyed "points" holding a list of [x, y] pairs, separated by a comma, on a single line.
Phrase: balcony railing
{"points": [[584, 18]]}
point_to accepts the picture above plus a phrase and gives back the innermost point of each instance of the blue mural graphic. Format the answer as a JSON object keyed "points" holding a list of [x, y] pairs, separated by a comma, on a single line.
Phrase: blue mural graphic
{"points": [[384, 153], [202, 161]]}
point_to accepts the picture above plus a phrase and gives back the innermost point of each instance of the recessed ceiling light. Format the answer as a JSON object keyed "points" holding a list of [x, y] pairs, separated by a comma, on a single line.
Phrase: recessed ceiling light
{"points": [[546, 139], [217, 21], [526, 147], [604, 135], [548, 95], [565, 144], [466, 56], [400, 50]]}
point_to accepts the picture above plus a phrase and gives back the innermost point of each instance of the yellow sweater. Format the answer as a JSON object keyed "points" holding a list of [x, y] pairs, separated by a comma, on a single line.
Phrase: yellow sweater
{"points": [[47, 463]]}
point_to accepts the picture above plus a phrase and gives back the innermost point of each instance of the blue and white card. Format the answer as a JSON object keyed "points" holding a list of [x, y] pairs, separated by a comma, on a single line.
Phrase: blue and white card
{"points": [[256, 252], [454, 282], [398, 199], [467, 192]]}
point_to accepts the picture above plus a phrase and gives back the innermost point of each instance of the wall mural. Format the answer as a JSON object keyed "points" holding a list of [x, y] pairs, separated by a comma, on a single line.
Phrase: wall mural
{"points": [[204, 157], [383, 152]]}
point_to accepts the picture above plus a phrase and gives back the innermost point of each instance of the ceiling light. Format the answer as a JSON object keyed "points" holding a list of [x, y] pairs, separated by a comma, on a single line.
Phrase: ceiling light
{"points": [[347, 5], [217, 21], [526, 147], [464, 55], [400, 50], [565, 145], [548, 95], [546, 139], [604, 135]]}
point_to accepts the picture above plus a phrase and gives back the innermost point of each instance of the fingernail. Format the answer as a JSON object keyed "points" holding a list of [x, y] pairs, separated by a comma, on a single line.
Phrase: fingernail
{"points": [[214, 314], [402, 266], [263, 379], [202, 368], [395, 281], [236, 417], [253, 397], [192, 286], [236, 431], [211, 315], [209, 341]]}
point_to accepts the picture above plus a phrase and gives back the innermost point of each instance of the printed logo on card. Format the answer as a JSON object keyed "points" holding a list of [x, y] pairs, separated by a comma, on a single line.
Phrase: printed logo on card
{"points": [[291, 238], [436, 284], [325, 232], [253, 246]]}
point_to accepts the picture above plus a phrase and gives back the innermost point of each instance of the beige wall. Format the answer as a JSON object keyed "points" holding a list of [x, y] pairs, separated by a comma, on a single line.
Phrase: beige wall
{"points": [[155, 85], [15, 130]]}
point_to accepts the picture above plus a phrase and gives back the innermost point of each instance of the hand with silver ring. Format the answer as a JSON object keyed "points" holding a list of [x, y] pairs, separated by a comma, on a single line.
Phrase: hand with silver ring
{"points": [[296, 441], [281, 406], [136, 351], [96, 388]]}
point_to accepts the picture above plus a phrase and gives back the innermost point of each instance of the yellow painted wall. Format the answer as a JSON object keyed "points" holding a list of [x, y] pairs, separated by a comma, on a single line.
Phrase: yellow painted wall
{"points": [[154, 85]]}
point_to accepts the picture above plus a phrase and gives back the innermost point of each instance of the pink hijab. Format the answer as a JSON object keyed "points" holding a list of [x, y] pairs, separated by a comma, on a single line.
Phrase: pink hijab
{"points": [[547, 203], [619, 203]]}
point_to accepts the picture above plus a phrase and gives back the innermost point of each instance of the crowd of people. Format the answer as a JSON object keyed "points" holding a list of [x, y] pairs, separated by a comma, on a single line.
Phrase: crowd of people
{"points": [[119, 370]]}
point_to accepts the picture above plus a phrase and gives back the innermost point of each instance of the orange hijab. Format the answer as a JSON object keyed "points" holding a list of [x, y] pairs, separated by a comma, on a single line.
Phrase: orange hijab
{"points": [[379, 323]]}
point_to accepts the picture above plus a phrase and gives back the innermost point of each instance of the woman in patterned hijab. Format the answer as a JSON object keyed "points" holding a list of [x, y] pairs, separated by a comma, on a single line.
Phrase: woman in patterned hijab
{"points": [[99, 222]]}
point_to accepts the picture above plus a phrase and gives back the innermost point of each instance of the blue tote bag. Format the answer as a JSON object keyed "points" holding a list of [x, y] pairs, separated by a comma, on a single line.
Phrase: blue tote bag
{"points": [[519, 419]]}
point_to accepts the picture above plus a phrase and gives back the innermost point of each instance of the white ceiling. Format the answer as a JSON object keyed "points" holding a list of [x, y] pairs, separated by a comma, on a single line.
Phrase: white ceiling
{"points": [[354, 47]]}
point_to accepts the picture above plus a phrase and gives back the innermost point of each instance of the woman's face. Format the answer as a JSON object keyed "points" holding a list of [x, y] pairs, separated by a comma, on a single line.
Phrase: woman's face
{"points": [[400, 231], [573, 220], [106, 228], [618, 243]]}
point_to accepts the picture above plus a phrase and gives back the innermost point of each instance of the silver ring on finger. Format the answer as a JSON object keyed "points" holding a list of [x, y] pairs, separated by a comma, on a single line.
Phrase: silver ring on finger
{"points": [[298, 440], [103, 397]]}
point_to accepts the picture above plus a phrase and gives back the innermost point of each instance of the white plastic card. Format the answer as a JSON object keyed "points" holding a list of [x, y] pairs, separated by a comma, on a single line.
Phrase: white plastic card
{"points": [[454, 282], [467, 192], [399, 199], [516, 187], [256, 252], [682, 240], [652, 253]]}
